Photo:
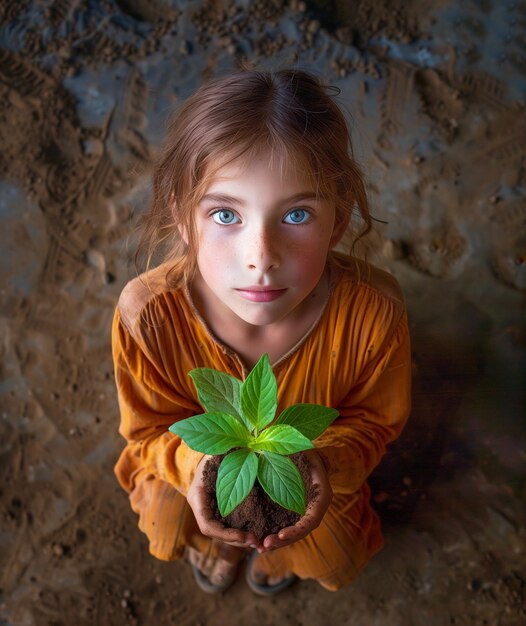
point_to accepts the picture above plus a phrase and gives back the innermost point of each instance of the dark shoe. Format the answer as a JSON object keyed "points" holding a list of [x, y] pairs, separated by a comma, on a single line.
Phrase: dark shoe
{"points": [[205, 585], [261, 589]]}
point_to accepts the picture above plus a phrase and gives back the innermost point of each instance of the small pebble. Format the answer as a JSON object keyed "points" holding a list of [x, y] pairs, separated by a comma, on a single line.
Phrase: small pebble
{"points": [[96, 259], [58, 549]]}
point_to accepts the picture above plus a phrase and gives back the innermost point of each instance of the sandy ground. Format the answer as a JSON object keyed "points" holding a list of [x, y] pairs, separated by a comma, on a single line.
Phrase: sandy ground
{"points": [[436, 91]]}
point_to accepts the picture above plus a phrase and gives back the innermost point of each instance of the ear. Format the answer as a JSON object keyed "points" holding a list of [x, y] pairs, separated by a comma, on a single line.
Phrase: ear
{"points": [[340, 226]]}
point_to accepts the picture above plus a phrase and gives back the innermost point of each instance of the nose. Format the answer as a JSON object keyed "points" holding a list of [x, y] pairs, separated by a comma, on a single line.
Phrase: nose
{"points": [[263, 250]]}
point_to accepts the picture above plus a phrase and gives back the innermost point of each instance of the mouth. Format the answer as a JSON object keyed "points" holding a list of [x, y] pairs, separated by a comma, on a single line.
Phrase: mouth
{"points": [[260, 294]]}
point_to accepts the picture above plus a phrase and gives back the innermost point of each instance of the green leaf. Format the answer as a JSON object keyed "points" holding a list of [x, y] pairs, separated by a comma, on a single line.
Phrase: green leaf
{"points": [[218, 392], [281, 439], [259, 394], [236, 477], [212, 433], [310, 419], [282, 482]]}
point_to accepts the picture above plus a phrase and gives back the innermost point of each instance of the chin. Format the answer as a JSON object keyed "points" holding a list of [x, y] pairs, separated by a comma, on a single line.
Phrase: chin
{"points": [[259, 318]]}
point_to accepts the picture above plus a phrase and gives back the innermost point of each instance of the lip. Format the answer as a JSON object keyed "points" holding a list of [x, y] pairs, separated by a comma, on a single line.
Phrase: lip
{"points": [[257, 293]]}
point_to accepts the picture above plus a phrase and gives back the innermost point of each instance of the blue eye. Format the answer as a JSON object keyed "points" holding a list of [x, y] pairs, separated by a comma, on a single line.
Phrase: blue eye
{"points": [[297, 216], [225, 216]]}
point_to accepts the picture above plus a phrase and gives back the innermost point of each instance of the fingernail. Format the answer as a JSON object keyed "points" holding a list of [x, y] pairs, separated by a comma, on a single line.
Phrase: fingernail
{"points": [[253, 545]]}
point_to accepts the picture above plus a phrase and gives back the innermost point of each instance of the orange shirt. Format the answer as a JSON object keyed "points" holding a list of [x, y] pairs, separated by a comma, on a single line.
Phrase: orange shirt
{"points": [[356, 358]]}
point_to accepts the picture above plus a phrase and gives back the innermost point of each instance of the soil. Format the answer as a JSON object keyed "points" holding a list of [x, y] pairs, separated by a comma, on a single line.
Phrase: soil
{"points": [[258, 513], [435, 92]]}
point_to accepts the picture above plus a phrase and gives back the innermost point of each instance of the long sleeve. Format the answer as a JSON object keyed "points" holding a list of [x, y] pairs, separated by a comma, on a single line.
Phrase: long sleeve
{"points": [[149, 403], [372, 414]]}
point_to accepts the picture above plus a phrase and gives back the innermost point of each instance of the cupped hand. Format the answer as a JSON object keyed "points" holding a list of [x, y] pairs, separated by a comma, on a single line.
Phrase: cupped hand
{"points": [[316, 509], [199, 501]]}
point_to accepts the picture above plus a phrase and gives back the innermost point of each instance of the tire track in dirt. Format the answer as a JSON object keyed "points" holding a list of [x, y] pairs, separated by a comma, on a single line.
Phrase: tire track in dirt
{"points": [[507, 220], [100, 180], [398, 88], [129, 118], [484, 88], [507, 131], [18, 74], [509, 215], [509, 149]]}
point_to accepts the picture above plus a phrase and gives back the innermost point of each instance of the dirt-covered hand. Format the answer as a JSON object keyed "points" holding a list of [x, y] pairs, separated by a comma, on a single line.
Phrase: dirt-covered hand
{"points": [[199, 501], [314, 513]]}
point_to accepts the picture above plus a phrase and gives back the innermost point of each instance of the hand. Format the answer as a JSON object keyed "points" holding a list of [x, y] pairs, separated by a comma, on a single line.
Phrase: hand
{"points": [[314, 513], [199, 501]]}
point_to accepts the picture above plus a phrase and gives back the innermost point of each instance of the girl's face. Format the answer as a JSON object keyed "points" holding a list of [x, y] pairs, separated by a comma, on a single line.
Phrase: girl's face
{"points": [[263, 240]]}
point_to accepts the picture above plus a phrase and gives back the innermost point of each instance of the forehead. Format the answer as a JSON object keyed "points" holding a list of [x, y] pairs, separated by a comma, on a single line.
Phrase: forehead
{"points": [[290, 170]]}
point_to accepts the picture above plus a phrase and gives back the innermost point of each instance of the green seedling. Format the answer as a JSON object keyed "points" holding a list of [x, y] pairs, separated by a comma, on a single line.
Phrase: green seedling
{"points": [[238, 422]]}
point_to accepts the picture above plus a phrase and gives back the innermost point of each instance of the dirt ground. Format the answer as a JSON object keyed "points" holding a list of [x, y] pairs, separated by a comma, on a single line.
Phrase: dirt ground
{"points": [[435, 91]]}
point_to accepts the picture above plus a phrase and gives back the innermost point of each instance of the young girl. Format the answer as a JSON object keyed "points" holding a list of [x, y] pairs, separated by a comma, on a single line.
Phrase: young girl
{"points": [[255, 187]]}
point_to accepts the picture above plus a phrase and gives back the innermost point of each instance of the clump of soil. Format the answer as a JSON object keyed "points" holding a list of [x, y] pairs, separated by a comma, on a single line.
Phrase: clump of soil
{"points": [[258, 513]]}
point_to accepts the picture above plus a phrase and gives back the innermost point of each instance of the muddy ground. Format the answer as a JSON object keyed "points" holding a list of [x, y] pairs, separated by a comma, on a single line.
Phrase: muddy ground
{"points": [[435, 91]]}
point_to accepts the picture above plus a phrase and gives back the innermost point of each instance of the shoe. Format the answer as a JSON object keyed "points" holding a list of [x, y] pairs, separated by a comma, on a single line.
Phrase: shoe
{"points": [[203, 582], [265, 590], [205, 585]]}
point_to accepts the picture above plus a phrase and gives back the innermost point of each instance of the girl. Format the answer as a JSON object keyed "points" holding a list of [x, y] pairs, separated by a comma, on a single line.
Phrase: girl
{"points": [[255, 187]]}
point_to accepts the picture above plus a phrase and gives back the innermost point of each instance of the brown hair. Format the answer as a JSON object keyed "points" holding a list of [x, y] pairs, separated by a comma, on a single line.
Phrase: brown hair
{"points": [[289, 111]]}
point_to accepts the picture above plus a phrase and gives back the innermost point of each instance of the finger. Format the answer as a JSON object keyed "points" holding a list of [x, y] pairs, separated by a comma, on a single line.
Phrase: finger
{"points": [[232, 535], [309, 522], [286, 536], [282, 539], [211, 527], [216, 530], [243, 546]]}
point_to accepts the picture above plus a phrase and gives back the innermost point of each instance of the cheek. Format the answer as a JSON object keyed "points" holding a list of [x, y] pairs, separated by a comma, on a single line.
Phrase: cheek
{"points": [[308, 261], [214, 255], [311, 247], [314, 263]]}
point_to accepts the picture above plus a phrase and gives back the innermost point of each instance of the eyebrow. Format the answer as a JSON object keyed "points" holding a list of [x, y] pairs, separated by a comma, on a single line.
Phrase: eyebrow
{"points": [[221, 197]]}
